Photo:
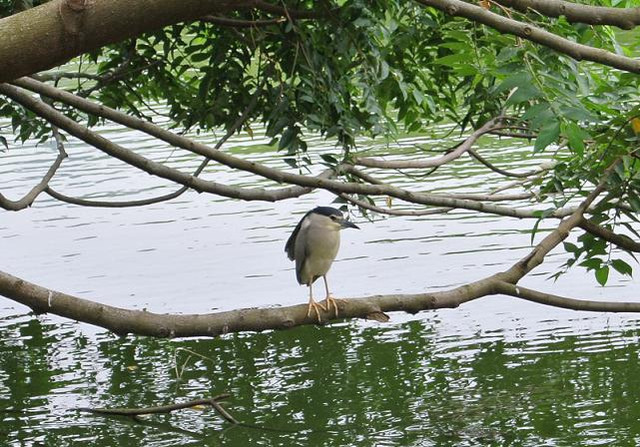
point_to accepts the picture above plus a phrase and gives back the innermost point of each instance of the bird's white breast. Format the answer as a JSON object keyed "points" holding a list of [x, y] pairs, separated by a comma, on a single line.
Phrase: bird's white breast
{"points": [[321, 243]]}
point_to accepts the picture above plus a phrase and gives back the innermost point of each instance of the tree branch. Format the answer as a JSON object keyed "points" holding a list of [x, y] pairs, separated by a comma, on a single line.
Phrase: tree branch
{"points": [[625, 18], [501, 171], [123, 321], [71, 28], [304, 183], [236, 23], [620, 240], [162, 409], [530, 32], [30, 197], [49, 113], [566, 303], [432, 162]]}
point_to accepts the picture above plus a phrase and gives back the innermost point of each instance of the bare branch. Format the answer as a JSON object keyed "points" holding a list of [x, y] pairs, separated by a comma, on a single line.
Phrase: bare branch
{"points": [[566, 303], [530, 32], [391, 211], [288, 12], [501, 171], [432, 162], [620, 240], [625, 18], [30, 197], [236, 23]]}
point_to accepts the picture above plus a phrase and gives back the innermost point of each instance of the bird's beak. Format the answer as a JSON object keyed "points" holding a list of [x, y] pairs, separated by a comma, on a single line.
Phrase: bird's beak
{"points": [[347, 224]]}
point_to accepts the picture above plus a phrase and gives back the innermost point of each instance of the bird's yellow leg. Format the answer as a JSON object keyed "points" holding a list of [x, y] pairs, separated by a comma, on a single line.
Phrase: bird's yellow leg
{"points": [[329, 299], [313, 305]]}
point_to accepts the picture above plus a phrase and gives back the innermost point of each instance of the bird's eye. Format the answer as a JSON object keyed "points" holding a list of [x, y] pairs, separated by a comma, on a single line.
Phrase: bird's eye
{"points": [[332, 217]]}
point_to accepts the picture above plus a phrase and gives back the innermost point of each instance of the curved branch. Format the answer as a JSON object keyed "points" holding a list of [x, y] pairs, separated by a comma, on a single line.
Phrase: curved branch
{"points": [[287, 12], [566, 303], [165, 197], [530, 32], [501, 171], [49, 113], [625, 18], [432, 162], [620, 240], [30, 197]]}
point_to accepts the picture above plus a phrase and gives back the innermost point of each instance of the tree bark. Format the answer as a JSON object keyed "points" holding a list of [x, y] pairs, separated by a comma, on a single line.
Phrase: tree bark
{"points": [[49, 35]]}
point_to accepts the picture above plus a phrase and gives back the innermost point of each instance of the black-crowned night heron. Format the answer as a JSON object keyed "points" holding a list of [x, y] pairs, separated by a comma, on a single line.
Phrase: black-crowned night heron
{"points": [[314, 245]]}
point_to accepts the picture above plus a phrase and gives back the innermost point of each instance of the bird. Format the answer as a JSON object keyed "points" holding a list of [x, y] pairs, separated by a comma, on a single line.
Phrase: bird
{"points": [[314, 245]]}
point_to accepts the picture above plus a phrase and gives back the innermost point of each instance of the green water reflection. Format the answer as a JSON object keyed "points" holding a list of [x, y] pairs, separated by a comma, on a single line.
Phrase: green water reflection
{"points": [[349, 384]]}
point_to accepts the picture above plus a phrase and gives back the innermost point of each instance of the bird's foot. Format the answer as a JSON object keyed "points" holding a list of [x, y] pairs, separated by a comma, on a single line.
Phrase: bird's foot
{"points": [[314, 306], [331, 301]]}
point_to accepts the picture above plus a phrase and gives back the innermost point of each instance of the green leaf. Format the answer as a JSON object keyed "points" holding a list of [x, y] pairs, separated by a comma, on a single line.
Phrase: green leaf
{"points": [[592, 263], [3, 140], [622, 267], [548, 134], [576, 136], [602, 275], [535, 229], [634, 201], [522, 94], [571, 248]]}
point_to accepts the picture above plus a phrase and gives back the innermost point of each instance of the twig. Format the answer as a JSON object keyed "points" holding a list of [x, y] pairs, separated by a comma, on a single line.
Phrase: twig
{"points": [[212, 402], [30, 197], [236, 23], [465, 146], [620, 240]]}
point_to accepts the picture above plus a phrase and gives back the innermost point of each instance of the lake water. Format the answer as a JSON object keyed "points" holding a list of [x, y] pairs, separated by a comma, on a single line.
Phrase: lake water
{"points": [[496, 371]]}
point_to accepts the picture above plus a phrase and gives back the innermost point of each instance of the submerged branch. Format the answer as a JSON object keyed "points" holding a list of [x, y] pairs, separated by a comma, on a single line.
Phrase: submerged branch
{"points": [[163, 409]]}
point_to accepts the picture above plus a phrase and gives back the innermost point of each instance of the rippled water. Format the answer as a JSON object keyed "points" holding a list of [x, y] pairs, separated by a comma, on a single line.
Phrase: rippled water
{"points": [[493, 372]]}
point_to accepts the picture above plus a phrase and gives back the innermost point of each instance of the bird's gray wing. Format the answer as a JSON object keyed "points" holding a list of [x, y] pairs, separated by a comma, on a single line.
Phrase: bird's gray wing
{"points": [[301, 252], [290, 246]]}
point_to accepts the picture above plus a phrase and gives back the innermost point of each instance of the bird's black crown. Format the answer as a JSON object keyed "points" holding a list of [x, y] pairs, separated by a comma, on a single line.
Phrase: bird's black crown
{"points": [[327, 211]]}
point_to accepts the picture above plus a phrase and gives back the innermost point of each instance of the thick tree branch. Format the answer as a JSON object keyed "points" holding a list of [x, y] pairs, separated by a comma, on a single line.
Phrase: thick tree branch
{"points": [[530, 32], [70, 28], [620, 240], [124, 321], [566, 303], [465, 146], [625, 18], [540, 251]]}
